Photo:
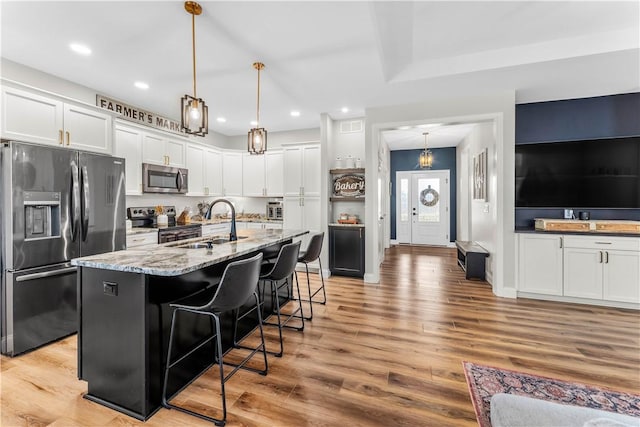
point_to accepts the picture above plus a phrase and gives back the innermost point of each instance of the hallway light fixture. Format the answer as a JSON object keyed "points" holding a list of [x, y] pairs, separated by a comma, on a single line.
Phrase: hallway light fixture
{"points": [[426, 157], [257, 142], [195, 113]]}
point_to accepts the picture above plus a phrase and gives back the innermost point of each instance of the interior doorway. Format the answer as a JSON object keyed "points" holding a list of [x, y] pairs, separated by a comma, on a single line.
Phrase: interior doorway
{"points": [[423, 207]]}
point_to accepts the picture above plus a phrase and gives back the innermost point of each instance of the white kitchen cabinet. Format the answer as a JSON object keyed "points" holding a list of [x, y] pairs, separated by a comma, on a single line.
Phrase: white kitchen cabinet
{"points": [[141, 239], [262, 175], [253, 175], [33, 117], [232, 173], [216, 229], [540, 264], [302, 175], [128, 144], [591, 268], [212, 172], [160, 150], [603, 267], [195, 165]]}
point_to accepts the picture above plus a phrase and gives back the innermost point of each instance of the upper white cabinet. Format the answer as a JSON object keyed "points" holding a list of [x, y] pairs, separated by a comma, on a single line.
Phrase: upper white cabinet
{"points": [[32, 117], [262, 174], [540, 264], [128, 144], [301, 165], [160, 150], [205, 171], [232, 173], [213, 172]]}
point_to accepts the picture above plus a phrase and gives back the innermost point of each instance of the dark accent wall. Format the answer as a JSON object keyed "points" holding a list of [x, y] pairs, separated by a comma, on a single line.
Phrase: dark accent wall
{"points": [[407, 160], [577, 119]]}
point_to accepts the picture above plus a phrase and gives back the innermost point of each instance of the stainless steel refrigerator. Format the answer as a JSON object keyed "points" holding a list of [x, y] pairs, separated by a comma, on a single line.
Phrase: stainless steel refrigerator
{"points": [[57, 204]]}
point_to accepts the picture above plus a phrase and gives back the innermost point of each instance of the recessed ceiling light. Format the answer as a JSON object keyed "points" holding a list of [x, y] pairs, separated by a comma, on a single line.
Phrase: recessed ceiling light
{"points": [[403, 128], [430, 125], [253, 123], [141, 85], [345, 109], [221, 120], [80, 49], [295, 113]]}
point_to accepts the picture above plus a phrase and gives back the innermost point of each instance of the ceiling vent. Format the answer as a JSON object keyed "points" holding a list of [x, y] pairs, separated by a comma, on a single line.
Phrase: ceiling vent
{"points": [[350, 126]]}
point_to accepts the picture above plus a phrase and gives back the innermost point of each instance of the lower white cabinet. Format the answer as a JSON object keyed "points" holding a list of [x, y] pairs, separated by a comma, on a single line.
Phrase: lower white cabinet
{"points": [[540, 264], [141, 239], [596, 268]]}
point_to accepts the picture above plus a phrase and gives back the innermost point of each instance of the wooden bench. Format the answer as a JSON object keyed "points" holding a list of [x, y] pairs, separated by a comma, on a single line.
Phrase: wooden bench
{"points": [[471, 257]]}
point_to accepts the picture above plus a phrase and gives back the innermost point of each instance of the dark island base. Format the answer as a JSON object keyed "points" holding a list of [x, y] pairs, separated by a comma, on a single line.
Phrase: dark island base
{"points": [[125, 321]]}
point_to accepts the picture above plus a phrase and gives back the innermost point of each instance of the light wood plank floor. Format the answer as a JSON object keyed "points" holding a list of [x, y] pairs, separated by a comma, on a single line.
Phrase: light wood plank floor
{"points": [[375, 355]]}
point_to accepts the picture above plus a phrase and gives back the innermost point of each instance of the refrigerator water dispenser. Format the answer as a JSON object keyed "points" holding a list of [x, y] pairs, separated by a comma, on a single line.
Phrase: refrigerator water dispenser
{"points": [[41, 215]]}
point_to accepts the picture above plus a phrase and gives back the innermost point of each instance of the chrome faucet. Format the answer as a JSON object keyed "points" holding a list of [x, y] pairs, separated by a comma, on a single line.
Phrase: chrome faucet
{"points": [[232, 235]]}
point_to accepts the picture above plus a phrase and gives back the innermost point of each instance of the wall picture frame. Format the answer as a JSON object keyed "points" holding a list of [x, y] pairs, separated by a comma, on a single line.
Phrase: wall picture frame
{"points": [[480, 176]]}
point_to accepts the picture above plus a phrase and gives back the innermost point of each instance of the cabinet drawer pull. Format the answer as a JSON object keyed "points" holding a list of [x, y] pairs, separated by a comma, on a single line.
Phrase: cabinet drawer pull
{"points": [[561, 243], [606, 257], [600, 252], [603, 243], [68, 138], [60, 137]]}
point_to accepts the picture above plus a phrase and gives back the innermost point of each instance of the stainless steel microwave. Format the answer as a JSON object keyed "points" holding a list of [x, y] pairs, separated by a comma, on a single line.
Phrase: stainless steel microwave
{"points": [[164, 179]]}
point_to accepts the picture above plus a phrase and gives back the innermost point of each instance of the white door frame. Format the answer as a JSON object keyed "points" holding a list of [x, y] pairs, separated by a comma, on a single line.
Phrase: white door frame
{"points": [[404, 232]]}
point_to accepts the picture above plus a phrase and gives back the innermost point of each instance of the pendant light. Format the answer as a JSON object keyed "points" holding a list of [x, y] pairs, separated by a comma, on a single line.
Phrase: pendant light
{"points": [[195, 113], [426, 157], [257, 142]]}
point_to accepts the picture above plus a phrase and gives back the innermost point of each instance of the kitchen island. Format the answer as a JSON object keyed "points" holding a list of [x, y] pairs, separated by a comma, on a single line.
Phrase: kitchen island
{"points": [[124, 313]]}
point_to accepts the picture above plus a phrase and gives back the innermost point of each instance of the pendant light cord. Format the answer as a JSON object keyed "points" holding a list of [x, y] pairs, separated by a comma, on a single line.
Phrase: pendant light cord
{"points": [[258, 106], [193, 44]]}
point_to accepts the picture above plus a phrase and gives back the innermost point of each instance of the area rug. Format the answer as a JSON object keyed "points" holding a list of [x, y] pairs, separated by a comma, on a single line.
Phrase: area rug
{"points": [[485, 381]]}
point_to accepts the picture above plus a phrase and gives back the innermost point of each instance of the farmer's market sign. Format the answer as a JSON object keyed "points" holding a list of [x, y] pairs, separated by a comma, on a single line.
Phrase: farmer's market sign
{"points": [[348, 186], [136, 115]]}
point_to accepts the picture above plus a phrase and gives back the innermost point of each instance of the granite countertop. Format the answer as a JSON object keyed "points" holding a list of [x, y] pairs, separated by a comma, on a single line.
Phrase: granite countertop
{"points": [[337, 224], [168, 260], [239, 218]]}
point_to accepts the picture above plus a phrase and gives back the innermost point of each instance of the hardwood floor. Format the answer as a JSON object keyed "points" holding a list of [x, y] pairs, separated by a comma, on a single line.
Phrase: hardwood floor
{"points": [[375, 355]]}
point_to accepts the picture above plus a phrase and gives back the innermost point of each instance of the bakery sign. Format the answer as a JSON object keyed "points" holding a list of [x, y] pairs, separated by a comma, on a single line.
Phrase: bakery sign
{"points": [[348, 186], [136, 115]]}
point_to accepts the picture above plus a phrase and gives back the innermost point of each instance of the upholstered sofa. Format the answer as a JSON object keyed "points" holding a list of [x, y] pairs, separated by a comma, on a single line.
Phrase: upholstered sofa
{"points": [[508, 410]]}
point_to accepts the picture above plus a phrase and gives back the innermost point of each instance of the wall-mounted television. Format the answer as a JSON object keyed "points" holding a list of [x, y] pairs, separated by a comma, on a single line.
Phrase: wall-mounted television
{"points": [[599, 173]]}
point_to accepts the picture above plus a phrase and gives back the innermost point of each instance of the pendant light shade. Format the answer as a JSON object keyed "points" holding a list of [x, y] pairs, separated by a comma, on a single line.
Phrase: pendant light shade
{"points": [[195, 113], [257, 141], [426, 157]]}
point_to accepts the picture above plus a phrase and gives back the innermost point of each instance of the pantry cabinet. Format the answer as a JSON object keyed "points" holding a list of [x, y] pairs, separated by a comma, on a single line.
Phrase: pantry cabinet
{"points": [[301, 164], [34, 117]]}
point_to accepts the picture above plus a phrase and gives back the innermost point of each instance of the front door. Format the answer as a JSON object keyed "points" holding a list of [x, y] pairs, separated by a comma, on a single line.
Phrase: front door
{"points": [[423, 207]]}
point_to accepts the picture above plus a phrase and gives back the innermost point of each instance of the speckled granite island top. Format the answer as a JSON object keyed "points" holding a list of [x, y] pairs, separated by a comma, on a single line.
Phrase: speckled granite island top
{"points": [[168, 260]]}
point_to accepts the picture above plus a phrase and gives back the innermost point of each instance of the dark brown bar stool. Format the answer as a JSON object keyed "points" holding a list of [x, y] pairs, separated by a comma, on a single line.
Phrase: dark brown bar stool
{"points": [[311, 254], [238, 284], [279, 276]]}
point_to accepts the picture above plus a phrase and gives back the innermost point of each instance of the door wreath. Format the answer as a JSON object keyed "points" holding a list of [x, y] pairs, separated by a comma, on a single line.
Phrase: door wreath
{"points": [[429, 197]]}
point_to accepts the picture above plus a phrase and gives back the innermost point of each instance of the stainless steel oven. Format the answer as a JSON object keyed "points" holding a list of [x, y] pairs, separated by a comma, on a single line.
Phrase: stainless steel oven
{"points": [[164, 179], [179, 232]]}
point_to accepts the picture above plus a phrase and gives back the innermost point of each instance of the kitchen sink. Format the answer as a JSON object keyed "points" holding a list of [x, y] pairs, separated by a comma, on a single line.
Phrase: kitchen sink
{"points": [[206, 242]]}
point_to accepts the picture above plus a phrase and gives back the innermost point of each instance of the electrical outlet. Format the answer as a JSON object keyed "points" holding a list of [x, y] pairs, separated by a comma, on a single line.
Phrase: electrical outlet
{"points": [[486, 208]]}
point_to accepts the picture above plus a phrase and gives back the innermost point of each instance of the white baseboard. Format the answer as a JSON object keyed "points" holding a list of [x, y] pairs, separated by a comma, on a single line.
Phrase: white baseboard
{"points": [[507, 293], [371, 278], [393, 242]]}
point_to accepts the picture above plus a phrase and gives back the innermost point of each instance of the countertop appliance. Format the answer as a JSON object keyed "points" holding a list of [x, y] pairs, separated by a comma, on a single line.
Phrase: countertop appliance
{"points": [[274, 210], [145, 217], [57, 204], [164, 179]]}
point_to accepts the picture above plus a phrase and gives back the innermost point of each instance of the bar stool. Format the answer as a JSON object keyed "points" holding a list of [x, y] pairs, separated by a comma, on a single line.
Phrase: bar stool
{"points": [[238, 284], [311, 254], [283, 269]]}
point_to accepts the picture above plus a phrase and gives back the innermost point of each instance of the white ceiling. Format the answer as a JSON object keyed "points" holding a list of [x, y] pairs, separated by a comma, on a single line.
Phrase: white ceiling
{"points": [[321, 56]]}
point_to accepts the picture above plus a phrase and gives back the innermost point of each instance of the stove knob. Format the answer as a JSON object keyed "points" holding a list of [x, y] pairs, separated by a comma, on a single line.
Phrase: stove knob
{"points": [[151, 211]]}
